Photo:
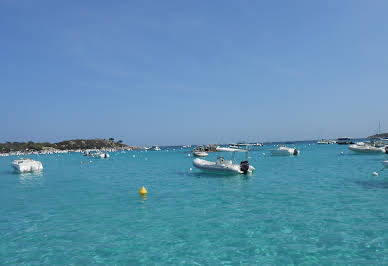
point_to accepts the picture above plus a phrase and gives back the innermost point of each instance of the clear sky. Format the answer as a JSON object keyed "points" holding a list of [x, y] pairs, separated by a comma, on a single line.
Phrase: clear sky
{"points": [[178, 72]]}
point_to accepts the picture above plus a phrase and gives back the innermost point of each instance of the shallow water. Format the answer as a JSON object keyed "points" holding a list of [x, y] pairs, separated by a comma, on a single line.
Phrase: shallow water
{"points": [[320, 207]]}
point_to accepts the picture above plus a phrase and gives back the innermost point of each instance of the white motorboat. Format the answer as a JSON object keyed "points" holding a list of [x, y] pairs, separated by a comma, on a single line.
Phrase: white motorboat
{"points": [[258, 144], [233, 146], [98, 155], [103, 155], [385, 163], [27, 165], [284, 151], [326, 141], [225, 166], [362, 147], [200, 153], [156, 148]]}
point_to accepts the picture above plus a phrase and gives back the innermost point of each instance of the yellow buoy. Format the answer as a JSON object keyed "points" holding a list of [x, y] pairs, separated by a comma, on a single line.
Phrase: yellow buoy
{"points": [[143, 191]]}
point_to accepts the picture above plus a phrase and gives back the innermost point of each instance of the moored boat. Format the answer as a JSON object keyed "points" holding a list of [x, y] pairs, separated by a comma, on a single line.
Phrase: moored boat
{"points": [[362, 147], [344, 141], [200, 154], [284, 151], [223, 166], [326, 141], [27, 165], [103, 155]]}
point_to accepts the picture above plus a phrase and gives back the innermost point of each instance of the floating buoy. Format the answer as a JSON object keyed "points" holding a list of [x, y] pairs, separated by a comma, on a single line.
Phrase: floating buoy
{"points": [[133, 156], [143, 191], [375, 174], [342, 153], [189, 154], [191, 169]]}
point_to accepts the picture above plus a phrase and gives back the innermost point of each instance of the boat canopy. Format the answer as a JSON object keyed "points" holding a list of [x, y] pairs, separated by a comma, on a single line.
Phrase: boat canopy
{"points": [[230, 150]]}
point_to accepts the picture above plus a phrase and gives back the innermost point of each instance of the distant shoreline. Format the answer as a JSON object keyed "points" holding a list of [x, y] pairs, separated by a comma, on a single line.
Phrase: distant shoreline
{"points": [[67, 145], [377, 136], [103, 144]]}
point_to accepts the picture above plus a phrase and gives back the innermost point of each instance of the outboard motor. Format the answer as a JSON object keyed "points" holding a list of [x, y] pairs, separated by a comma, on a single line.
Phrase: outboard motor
{"points": [[386, 150], [244, 167], [295, 152]]}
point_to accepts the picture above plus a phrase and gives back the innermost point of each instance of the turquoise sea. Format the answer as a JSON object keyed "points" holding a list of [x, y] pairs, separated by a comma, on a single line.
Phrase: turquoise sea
{"points": [[320, 207]]}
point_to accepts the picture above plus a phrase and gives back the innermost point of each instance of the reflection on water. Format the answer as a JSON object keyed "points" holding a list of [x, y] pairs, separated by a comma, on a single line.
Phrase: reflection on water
{"points": [[31, 179], [143, 198], [373, 184], [217, 175]]}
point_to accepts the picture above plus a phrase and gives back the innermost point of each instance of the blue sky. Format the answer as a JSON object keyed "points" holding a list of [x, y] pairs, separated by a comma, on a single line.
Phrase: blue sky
{"points": [[177, 72]]}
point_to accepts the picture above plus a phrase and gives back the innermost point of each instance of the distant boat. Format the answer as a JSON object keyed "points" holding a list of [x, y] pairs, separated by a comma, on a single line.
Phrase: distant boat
{"points": [[102, 155], [241, 144], [258, 144], [233, 146], [156, 148], [206, 148], [27, 165], [200, 154], [366, 148], [284, 151], [344, 141], [369, 147], [326, 141]]}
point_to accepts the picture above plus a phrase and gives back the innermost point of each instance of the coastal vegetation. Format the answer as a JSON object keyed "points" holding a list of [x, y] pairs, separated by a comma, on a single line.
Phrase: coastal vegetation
{"points": [[378, 136], [76, 144]]}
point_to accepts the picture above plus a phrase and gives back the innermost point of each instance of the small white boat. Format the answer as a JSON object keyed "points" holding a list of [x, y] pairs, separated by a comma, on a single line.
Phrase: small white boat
{"points": [[385, 163], [362, 147], [258, 144], [284, 151], [156, 148], [225, 166], [103, 155], [99, 155], [326, 141], [27, 165], [200, 154]]}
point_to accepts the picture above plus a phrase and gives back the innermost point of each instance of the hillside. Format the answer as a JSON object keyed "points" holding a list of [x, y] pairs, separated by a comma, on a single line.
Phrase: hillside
{"points": [[382, 135], [75, 144]]}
